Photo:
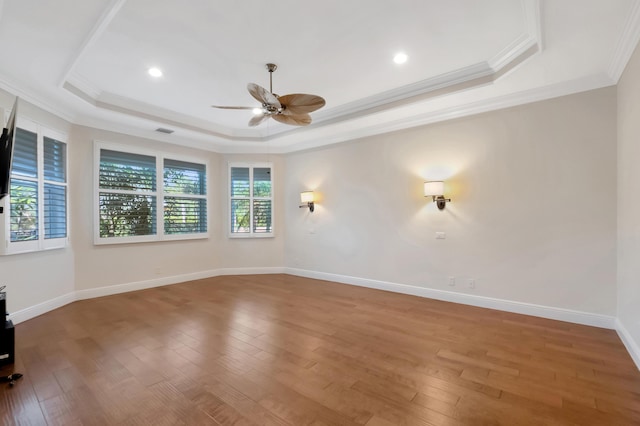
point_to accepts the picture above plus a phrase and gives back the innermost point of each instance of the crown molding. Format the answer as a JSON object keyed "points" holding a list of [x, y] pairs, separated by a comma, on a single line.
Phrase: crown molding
{"points": [[626, 44], [458, 111], [533, 21], [470, 77], [101, 25], [16, 90]]}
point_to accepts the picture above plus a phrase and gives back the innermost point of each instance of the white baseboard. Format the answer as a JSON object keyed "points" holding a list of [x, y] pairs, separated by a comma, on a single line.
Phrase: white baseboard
{"points": [[632, 346], [142, 285], [42, 308], [560, 314], [252, 271]]}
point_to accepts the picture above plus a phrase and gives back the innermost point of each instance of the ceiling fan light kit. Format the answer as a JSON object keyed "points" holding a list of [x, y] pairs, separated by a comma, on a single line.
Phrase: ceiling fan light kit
{"points": [[292, 109]]}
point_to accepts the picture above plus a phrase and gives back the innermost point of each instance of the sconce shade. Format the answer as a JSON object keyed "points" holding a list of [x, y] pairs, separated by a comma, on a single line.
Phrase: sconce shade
{"points": [[306, 197], [433, 188]]}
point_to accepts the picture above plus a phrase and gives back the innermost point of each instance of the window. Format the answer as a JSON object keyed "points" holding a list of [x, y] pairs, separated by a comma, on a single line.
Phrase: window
{"points": [[37, 200], [185, 204], [251, 200], [132, 185]]}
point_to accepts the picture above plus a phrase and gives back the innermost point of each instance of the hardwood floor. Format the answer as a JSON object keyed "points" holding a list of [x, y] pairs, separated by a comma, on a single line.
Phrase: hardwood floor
{"points": [[284, 350]]}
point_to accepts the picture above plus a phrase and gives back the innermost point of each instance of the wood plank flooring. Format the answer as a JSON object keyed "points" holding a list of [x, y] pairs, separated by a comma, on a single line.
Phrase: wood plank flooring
{"points": [[285, 350]]}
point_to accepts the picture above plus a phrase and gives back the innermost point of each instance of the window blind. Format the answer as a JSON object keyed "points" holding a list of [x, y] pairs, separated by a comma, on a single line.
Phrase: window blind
{"points": [[25, 154], [55, 160], [261, 182], [127, 171], [240, 182], [24, 210], [55, 211], [184, 178], [125, 215], [185, 215], [251, 200]]}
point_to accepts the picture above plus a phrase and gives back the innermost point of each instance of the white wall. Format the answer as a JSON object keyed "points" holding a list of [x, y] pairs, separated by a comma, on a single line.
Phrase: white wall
{"points": [[533, 217], [629, 204]]}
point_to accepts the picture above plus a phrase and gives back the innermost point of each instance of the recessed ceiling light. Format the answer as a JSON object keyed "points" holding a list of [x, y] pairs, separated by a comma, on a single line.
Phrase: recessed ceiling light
{"points": [[155, 72], [400, 58], [256, 111]]}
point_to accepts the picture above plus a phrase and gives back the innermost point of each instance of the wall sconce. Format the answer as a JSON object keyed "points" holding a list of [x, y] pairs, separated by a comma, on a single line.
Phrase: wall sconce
{"points": [[435, 189], [306, 198]]}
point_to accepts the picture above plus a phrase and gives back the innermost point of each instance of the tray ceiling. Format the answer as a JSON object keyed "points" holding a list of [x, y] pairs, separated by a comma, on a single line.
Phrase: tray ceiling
{"points": [[87, 61]]}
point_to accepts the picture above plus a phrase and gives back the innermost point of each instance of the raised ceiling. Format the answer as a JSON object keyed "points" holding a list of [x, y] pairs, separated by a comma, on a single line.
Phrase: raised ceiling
{"points": [[87, 61]]}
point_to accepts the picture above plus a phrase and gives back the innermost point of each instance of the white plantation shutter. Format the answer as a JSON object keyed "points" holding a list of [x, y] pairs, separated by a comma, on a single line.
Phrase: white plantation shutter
{"points": [[127, 171], [24, 218], [261, 200], [185, 203], [55, 190], [240, 200], [251, 200], [146, 197], [127, 197], [38, 194]]}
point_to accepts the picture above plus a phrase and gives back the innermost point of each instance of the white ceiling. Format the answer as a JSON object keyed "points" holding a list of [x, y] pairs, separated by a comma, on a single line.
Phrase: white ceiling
{"points": [[87, 61]]}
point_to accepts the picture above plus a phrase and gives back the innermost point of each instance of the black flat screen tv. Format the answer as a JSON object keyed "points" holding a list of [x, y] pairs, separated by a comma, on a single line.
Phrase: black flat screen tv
{"points": [[6, 151]]}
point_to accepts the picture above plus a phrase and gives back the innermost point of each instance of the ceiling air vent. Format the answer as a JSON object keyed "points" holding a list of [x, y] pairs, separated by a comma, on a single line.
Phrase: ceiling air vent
{"points": [[163, 130]]}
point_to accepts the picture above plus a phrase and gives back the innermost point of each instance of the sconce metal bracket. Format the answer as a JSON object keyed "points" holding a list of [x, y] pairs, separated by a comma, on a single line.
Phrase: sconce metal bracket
{"points": [[310, 205], [441, 202]]}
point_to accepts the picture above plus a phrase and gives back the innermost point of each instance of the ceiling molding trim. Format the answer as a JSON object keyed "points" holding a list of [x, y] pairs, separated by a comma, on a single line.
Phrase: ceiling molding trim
{"points": [[457, 81], [627, 43], [173, 139], [103, 22], [15, 90], [79, 83], [473, 72], [512, 52], [531, 37], [167, 121], [465, 78], [492, 104], [79, 93], [323, 138], [129, 107], [533, 21]]}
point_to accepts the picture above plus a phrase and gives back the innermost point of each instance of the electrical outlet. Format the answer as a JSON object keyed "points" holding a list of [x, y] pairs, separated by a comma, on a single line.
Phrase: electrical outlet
{"points": [[471, 283], [452, 281], [440, 235]]}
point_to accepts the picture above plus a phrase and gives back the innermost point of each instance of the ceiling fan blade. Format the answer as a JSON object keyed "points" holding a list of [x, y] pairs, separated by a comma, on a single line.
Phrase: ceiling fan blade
{"points": [[301, 103], [262, 95], [257, 119], [231, 107], [294, 120]]}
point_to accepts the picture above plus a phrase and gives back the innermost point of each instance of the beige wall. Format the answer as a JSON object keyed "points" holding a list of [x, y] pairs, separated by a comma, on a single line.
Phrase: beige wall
{"points": [[99, 266], [629, 200], [36, 278], [41, 278], [533, 217]]}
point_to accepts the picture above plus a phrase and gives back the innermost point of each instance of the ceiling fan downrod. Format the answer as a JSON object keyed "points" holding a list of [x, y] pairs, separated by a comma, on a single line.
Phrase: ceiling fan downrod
{"points": [[271, 68]]}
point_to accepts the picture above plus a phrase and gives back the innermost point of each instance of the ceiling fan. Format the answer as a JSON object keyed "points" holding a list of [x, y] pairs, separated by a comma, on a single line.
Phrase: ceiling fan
{"points": [[290, 109]]}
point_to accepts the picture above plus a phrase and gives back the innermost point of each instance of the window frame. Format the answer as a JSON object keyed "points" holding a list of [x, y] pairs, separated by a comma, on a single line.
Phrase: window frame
{"points": [[251, 198], [41, 243], [159, 193]]}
